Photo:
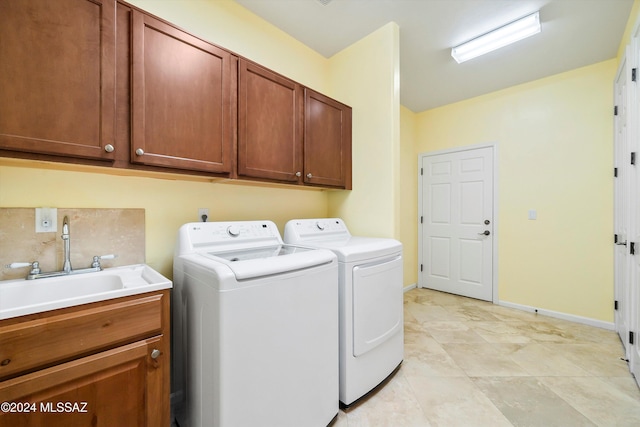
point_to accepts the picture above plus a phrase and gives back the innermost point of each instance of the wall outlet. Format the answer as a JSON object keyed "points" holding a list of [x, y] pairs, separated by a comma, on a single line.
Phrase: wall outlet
{"points": [[203, 214], [46, 220]]}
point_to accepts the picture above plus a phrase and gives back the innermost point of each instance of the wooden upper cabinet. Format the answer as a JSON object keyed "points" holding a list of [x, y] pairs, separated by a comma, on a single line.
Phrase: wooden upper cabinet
{"points": [[182, 89], [79, 87], [269, 125], [327, 141], [57, 77]]}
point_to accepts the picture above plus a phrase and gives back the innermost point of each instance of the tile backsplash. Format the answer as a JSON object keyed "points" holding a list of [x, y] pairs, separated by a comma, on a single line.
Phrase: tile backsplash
{"points": [[92, 231]]}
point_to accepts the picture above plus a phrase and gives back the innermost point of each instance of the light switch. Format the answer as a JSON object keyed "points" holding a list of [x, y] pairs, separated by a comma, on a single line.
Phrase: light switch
{"points": [[533, 214]]}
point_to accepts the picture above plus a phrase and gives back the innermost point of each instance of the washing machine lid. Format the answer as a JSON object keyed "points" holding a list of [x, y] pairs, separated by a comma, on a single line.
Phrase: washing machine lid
{"points": [[356, 249], [253, 263]]}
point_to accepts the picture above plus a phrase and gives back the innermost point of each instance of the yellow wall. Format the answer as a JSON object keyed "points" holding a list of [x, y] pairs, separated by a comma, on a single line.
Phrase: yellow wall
{"points": [[408, 195], [555, 146], [366, 76], [168, 203]]}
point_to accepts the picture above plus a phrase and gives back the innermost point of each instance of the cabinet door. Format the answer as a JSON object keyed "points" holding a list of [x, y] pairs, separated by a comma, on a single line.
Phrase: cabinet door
{"points": [[57, 77], [120, 387], [327, 141], [182, 97], [269, 125]]}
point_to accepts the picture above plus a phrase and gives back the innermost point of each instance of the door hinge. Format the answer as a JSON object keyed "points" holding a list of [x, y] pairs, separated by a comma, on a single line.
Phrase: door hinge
{"points": [[615, 110], [615, 238], [632, 248], [633, 157], [634, 72], [421, 267], [421, 171], [630, 337], [615, 305], [615, 172], [421, 219]]}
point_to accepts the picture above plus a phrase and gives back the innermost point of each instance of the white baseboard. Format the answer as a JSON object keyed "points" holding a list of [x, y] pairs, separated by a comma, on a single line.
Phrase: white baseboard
{"points": [[409, 287], [558, 315]]}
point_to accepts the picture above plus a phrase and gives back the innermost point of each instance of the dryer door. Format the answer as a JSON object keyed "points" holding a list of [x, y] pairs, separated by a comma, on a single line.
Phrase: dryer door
{"points": [[377, 303]]}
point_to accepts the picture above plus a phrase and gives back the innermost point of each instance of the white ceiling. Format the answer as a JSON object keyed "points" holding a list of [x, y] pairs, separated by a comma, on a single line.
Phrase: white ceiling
{"points": [[575, 33]]}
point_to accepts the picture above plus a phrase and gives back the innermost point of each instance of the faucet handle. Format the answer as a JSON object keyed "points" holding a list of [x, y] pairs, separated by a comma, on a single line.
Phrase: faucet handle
{"points": [[35, 266], [18, 265], [97, 259]]}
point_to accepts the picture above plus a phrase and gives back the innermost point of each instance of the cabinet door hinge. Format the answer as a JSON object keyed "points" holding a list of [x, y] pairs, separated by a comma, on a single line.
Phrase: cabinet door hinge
{"points": [[633, 157], [634, 74], [615, 110], [615, 172], [421, 267], [632, 248], [615, 305], [630, 337], [615, 238], [421, 219], [421, 171]]}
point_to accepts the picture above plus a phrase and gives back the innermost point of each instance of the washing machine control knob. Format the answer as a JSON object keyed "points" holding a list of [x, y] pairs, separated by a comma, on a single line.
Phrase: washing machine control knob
{"points": [[320, 225], [233, 230]]}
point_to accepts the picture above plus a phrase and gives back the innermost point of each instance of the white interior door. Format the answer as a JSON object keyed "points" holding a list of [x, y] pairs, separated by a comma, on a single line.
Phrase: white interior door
{"points": [[632, 129], [457, 229], [621, 204]]}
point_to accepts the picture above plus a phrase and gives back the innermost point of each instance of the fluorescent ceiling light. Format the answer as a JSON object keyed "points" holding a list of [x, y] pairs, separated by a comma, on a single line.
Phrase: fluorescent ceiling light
{"points": [[500, 37]]}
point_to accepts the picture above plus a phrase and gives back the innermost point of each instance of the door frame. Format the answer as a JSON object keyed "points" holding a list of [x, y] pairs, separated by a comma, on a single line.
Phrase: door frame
{"points": [[421, 250]]}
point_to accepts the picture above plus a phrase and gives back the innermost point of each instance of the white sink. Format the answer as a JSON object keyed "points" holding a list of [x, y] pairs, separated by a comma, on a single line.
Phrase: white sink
{"points": [[21, 297]]}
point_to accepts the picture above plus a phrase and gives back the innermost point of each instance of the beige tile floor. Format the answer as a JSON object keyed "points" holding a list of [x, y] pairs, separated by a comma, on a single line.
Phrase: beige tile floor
{"points": [[471, 363]]}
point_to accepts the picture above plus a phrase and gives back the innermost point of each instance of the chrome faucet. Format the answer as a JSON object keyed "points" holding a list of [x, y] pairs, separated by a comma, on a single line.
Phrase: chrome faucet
{"points": [[66, 239], [36, 273]]}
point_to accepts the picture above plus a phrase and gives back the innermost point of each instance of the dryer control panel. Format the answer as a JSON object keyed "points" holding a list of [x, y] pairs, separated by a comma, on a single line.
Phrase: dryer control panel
{"points": [[309, 229]]}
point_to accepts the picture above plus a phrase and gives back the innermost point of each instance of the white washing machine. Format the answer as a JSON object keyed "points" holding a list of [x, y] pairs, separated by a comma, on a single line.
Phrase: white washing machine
{"points": [[370, 301], [255, 328]]}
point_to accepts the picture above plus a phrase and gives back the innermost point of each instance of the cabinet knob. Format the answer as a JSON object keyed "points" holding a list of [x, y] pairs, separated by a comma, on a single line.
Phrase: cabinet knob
{"points": [[109, 148], [309, 175], [298, 174], [139, 151], [155, 353]]}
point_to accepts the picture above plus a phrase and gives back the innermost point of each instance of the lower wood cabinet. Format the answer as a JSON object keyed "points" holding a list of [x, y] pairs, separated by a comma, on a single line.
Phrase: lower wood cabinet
{"points": [[123, 383]]}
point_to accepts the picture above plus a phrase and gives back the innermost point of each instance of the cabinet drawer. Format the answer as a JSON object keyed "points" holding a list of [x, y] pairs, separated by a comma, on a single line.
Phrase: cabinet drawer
{"points": [[58, 338]]}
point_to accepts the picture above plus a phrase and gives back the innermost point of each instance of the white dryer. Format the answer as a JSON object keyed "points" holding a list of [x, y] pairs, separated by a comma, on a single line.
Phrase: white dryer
{"points": [[255, 328], [370, 301]]}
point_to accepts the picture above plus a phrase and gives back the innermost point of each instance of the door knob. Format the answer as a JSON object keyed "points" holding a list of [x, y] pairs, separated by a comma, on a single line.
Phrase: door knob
{"points": [[484, 233], [155, 353]]}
